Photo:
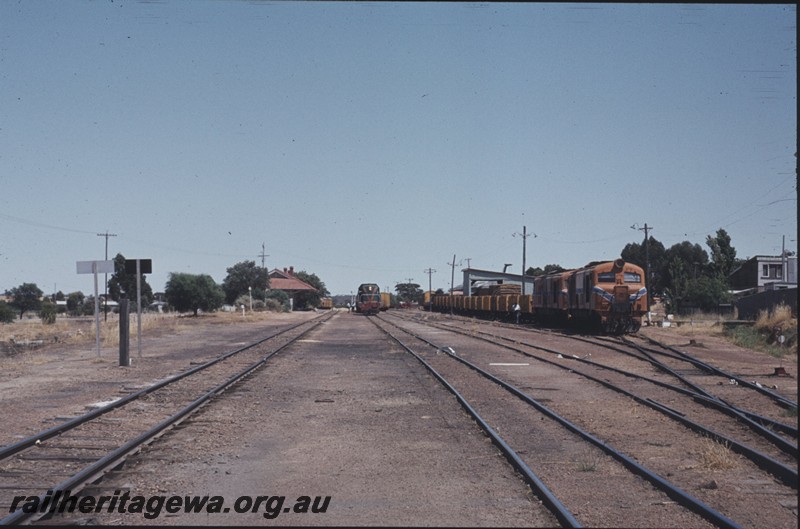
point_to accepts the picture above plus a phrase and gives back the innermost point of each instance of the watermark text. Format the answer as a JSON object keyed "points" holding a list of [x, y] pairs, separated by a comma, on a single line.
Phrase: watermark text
{"points": [[152, 507]]}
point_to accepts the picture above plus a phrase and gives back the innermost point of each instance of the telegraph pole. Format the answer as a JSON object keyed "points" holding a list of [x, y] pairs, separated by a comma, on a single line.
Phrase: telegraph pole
{"points": [[105, 299], [263, 255], [646, 230], [430, 271], [452, 281], [524, 236], [784, 261]]}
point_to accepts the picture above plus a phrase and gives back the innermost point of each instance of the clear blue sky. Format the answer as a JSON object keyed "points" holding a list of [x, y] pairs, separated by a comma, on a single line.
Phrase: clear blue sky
{"points": [[366, 142]]}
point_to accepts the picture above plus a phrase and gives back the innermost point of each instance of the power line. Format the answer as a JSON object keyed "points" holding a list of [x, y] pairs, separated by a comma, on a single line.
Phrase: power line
{"points": [[42, 225]]}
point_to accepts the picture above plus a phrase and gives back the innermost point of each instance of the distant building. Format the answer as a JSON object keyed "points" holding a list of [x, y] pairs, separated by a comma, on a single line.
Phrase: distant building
{"points": [[286, 281], [475, 279], [764, 272]]}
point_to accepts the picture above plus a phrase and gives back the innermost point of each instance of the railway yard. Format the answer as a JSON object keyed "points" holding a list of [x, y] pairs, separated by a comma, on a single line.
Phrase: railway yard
{"points": [[405, 418]]}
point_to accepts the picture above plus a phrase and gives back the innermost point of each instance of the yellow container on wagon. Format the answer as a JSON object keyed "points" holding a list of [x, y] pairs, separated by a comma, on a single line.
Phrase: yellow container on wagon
{"points": [[386, 300]]}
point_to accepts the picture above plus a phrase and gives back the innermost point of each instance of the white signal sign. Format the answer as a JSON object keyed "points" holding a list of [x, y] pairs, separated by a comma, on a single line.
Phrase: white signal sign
{"points": [[95, 267]]}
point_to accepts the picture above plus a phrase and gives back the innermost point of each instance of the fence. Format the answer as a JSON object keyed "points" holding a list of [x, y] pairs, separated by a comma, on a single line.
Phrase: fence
{"points": [[749, 306]]}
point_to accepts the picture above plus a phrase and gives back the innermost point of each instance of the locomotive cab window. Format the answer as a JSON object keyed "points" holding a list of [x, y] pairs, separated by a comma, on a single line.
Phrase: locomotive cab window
{"points": [[633, 277], [605, 277]]}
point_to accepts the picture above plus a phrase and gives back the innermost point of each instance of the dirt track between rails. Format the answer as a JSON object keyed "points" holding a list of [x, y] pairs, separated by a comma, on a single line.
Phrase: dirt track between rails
{"points": [[380, 473]]}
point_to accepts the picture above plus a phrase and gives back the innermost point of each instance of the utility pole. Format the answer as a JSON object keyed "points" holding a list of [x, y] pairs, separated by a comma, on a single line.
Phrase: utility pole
{"points": [[524, 236], [105, 299], [646, 230], [452, 281], [469, 261], [784, 261], [263, 256], [430, 271]]}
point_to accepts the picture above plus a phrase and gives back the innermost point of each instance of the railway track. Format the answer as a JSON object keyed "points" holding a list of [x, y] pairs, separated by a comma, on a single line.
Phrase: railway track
{"points": [[650, 391], [636, 362], [65, 458], [535, 446]]}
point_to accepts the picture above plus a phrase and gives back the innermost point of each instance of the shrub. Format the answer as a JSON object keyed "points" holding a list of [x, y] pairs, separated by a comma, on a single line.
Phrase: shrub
{"points": [[7, 313], [48, 313], [278, 297], [273, 305]]}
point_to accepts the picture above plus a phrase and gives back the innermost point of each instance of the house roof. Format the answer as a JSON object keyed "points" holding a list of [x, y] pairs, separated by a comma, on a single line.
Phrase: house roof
{"points": [[286, 280]]}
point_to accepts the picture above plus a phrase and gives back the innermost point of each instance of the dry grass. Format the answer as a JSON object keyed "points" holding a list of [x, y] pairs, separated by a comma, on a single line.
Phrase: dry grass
{"points": [[779, 316], [705, 327], [589, 461], [82, 330], [151, 323], [717, 456], [766, 332]]}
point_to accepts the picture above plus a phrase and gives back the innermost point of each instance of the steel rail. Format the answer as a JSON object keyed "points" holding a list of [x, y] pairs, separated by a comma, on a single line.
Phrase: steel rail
{"points": [[718, 403], [752, 420], [95, 471], [744, 416], [686, 500], [786, 474], [9, 450], [564, 516], [759, 424], [780, 399], [749, 419]]}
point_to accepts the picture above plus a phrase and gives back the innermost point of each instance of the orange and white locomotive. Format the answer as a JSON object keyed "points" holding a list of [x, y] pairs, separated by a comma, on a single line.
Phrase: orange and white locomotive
{"points": [[605, 296], [610, 296]]}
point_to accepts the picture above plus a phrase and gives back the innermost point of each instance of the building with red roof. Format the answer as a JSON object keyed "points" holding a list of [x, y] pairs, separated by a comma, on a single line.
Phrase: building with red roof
{"points": [[286, 281]]}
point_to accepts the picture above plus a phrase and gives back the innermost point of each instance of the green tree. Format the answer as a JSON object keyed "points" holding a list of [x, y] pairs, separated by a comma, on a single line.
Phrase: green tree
{"points": [[678, 288], [706, 293], [409, 292], [121, 283], [637, 254], [7, 314], [26, 297], [48, 312], [193, 292], [548, 269], [75, 303], [693, 263], [87, 309], [241, 277], [307, 299], [723, 254]]}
